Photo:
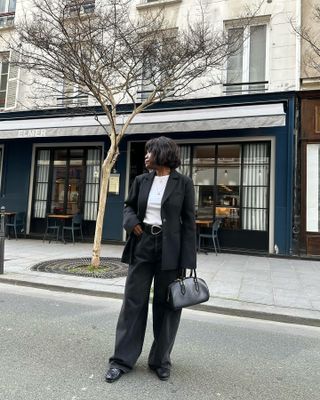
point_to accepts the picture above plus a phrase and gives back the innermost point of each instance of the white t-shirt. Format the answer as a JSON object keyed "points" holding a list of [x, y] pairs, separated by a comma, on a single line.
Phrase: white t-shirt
{"points": [[153, 216]]}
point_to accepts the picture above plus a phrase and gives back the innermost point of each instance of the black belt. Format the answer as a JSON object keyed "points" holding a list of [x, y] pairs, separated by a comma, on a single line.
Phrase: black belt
{"points": [[152, 229]]}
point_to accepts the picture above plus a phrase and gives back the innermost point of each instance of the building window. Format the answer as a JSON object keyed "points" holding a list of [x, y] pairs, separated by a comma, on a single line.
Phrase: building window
{"points": [[72, 95], [255, 186], [91, 199], [246, 67], [41, 184], [67, 181], [313, 188], [7, 12], [1, 163], [231, 183], [80, 7], [154, 75]]}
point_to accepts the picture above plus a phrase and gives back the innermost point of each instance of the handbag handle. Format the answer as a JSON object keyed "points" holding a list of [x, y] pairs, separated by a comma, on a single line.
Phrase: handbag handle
{"points": [[196, 283]]}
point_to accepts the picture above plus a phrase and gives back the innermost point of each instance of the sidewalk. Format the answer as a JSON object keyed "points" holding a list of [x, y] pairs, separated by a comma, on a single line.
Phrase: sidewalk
{"points": [[278, 289]]}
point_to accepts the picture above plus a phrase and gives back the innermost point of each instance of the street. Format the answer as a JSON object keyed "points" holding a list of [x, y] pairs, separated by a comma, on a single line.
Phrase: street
{"points": [[54, 346]]}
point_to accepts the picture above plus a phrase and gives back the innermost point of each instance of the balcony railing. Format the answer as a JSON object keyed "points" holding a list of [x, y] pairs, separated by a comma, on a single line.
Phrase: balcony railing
{"points": [[6, 19], [72, 101], [245, 87], [82, 7]]}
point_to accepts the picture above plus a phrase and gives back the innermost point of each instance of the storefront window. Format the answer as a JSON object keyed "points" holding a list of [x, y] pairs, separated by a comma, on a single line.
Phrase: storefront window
{"points": [[67, 182], [231, 183], [41, 183], [203, 178], [255, 186], [313, 188], [92, 184]]}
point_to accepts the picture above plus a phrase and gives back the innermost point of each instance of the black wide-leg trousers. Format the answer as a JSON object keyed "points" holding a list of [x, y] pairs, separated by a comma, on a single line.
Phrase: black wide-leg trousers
{"points": [[132, 320]]}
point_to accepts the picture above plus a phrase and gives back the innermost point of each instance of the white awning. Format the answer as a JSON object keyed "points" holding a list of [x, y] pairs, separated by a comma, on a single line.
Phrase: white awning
{"points": [[206, 119]]}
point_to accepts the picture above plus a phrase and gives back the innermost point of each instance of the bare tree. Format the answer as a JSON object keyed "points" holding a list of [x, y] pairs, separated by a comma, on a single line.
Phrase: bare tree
{"points": [[310, 34], [118, 54]]}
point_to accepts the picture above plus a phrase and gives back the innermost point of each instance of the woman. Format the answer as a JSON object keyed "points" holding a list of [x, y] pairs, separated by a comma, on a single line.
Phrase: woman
{"points": [[159, 216]]}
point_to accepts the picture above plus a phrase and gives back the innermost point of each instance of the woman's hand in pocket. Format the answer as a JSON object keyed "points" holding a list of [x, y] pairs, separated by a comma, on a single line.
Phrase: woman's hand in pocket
{"points": [[137, 230]]}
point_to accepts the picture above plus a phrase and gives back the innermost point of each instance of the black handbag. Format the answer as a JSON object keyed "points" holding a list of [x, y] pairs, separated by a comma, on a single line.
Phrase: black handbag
{"points": [[185, 292]]}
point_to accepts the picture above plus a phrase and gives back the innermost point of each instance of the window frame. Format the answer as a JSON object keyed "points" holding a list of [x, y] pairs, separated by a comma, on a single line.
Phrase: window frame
{"points": [[146, 88], [7, 16], [75, 98], [1, 165], [244, 86], [214, 164], [52, 148], [86, 7]]}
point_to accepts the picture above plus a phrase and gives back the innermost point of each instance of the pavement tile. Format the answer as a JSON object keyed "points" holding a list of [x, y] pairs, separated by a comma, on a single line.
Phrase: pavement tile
{"points": [[291, 298], [257, 298], [224, 290], [291, 284], [247, 284], [258, 276]]}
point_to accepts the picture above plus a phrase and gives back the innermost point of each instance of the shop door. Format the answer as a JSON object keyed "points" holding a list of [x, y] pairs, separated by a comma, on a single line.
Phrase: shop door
{"points": [[67, 181]]}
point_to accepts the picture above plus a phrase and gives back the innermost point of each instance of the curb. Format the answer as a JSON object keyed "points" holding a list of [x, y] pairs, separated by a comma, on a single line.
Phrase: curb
{"points": [[288, 319]]}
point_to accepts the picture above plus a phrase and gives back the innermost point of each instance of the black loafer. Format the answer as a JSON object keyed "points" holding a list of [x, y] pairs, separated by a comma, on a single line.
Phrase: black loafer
{"points": [[113, 374], [163, 373]]}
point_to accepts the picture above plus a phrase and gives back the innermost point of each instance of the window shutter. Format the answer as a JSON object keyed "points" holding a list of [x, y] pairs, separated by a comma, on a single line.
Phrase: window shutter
{"points": [[11, 99]]}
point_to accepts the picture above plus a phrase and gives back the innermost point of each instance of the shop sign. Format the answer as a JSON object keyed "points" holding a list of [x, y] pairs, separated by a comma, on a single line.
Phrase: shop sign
{"points": [[114, 183], [27, 133]]}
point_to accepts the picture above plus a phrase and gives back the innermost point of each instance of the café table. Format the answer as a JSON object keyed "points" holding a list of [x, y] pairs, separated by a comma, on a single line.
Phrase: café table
{"points": [[60, 218]]}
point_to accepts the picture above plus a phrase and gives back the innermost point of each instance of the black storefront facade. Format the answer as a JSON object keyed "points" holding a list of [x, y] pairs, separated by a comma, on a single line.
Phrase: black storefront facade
{"points": [[239, 150]]}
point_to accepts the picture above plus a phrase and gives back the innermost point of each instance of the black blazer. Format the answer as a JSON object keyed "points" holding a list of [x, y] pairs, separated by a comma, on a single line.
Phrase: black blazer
{"points": [[178, 219]]}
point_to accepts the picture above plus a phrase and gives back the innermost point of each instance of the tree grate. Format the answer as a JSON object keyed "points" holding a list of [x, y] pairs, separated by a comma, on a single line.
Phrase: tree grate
{"points": [[109, 267]]}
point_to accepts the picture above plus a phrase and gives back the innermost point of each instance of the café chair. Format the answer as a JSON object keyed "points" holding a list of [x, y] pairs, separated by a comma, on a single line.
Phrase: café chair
{"points": [[52, 229], [213, 235], [17, 223], [76, 226]]}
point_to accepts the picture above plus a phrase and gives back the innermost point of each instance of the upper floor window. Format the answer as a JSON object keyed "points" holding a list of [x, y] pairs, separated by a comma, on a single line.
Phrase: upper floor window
{"points": [[246, 67], [81, 6], [154, 74], [150, 3], [72, 95], [7, 12]]}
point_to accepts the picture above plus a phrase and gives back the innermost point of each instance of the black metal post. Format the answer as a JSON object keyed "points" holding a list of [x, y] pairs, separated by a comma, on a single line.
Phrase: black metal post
{"points": [[2, 237]]}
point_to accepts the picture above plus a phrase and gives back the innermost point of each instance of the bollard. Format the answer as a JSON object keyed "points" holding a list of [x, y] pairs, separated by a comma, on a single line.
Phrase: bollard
{"points": [[2, 237]]}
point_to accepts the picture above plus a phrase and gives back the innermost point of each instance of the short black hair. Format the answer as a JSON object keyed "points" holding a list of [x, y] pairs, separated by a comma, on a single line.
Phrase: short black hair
{"points": [[165, 152]]}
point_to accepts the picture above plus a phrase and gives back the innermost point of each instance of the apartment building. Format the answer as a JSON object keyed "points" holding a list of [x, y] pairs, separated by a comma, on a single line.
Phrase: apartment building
{"points": [[237, 137]]}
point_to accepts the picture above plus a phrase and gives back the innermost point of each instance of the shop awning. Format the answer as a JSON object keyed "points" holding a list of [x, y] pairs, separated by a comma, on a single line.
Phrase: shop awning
{"points": [[191, 120]]}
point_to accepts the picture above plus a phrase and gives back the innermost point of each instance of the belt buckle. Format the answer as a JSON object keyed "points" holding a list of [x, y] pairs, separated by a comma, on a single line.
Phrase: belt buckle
{"points": [[157, 227]]}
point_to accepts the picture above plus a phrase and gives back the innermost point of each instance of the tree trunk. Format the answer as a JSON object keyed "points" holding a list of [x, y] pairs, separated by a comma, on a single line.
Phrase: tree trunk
{"points": [[106, 170]]}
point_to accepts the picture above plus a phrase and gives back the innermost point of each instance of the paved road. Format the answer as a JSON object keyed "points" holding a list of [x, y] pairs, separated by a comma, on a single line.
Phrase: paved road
{"points": [[54, 346]]}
